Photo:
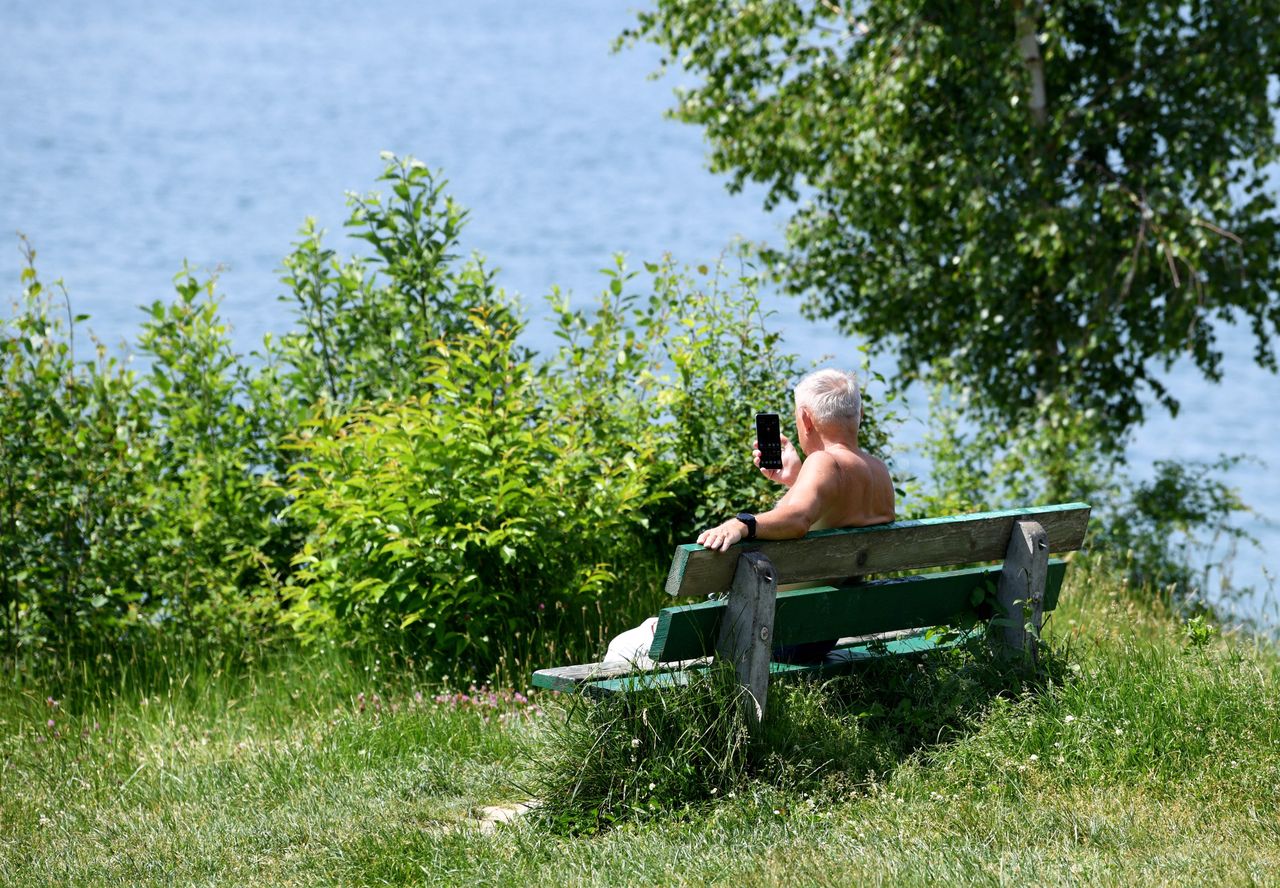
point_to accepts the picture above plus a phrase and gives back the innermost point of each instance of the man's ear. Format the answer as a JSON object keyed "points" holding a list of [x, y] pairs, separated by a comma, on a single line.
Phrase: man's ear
{"points": [[806, 419]]}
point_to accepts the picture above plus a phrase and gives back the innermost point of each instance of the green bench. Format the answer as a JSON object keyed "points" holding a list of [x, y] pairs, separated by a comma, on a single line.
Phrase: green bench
{"points": [[742, 616]]}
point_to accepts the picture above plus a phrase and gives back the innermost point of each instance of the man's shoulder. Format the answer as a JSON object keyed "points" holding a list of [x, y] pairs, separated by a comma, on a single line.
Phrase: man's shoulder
{"points": [[820, 469], [819, 461]]}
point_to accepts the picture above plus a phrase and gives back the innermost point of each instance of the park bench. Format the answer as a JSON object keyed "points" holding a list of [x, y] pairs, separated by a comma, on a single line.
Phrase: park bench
{"points": [[742, 616]]}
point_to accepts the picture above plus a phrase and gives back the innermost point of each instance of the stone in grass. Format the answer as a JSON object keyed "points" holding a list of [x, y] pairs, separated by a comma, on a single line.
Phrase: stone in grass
{"points": [[491, 815]]}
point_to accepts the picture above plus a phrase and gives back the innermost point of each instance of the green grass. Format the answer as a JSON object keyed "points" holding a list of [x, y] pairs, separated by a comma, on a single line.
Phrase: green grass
{"points": [[1151, 760]]}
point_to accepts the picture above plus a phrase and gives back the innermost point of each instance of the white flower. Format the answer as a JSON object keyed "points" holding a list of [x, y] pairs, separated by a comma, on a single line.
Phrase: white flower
{"points": [[635, 742], [1069, 719]]}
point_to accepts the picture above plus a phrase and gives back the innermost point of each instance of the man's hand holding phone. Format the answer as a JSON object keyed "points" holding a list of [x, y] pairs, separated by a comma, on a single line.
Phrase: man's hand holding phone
{"points": [[786, 476]]}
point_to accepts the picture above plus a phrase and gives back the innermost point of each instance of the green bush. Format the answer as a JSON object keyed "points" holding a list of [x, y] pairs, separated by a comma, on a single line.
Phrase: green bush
{"points": [[1165, 534], [214, 550], [367, 324], [467, 516], [128, 502], [451, 512], [75, 461]]}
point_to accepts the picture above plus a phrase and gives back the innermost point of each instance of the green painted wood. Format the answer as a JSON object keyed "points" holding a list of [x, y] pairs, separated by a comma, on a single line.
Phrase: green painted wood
{"points": [[838, 662], [566, 678], [689, 631], [745, 636], [824, 555]]}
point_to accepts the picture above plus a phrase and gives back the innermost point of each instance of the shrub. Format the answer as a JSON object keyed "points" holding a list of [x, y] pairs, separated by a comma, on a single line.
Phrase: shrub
{"points": [[213, 548], [1166, 531], [367, 324], [496, 485], [470, 514], [128, 502], [75, 462], [1163, 533]]}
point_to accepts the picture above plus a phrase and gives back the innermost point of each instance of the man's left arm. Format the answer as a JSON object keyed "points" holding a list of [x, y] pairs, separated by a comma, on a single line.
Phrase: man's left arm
{"points": [[797, 511]]}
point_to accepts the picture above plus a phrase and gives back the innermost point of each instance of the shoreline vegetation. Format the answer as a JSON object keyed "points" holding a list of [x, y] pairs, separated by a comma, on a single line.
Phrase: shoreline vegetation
{"points": [[1150, 757], [396, 470], [270, 620]]}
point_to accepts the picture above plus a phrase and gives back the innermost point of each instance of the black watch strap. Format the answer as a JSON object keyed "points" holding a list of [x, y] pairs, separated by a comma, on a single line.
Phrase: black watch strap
{"points": [[750, 520]]}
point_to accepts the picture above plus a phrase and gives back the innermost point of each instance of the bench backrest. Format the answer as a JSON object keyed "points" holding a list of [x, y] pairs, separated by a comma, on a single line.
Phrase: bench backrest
{"points": [[833, 556], [685, 632]]}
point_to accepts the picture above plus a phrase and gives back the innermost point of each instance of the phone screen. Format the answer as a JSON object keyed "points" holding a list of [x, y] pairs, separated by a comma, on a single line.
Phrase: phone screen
{"points": [[769, 436]]}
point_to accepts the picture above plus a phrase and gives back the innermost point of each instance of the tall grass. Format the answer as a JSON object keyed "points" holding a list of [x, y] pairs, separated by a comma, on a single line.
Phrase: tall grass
{"points": [[1126, 694], [1150, 756], [214, 761]]}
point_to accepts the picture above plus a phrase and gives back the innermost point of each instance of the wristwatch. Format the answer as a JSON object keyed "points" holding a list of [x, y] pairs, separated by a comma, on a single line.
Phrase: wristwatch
{"points": [[750, 520]]}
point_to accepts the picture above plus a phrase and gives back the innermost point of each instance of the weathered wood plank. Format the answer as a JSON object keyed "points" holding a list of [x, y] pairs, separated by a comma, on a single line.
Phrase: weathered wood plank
{"points": [[567, 678], [802, 615], [902, 545], [838, 662], [746, 630], [1020, 593]]}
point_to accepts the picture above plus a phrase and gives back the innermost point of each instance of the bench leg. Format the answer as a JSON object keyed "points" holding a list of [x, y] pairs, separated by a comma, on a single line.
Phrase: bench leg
{"points": [[1020, 594], [746, 632]]}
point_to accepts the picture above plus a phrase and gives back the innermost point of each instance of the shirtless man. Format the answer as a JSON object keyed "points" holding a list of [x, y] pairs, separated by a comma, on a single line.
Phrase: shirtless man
{"points": [[838, 484]]}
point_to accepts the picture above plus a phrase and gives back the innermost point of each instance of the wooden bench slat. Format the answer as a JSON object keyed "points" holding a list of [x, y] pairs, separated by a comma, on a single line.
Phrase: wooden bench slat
{"points": [[688, 631], [566, 678], [882, 548], [837, 662]]}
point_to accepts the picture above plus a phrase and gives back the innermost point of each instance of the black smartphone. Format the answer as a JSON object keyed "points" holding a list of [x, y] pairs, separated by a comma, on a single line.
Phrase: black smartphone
{"points": [[769, 437]]}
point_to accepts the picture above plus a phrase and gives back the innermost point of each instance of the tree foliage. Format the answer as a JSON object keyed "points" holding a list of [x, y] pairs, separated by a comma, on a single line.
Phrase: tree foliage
{"points": [[1039, 204]]}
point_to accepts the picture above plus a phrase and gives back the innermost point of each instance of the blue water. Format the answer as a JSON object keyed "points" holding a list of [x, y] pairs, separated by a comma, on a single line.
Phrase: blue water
{"points": [[134, 135]]}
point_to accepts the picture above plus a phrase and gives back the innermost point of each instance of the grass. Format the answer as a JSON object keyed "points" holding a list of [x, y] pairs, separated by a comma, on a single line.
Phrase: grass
{"points": [[1153, 759]]}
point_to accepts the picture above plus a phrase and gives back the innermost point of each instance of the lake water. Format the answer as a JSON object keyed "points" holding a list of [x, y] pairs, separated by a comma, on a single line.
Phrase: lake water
{"points": [[134, 135]]}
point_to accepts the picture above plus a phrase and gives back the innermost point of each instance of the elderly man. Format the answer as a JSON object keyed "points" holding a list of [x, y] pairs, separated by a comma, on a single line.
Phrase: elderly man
{"points": [[838, 485]]}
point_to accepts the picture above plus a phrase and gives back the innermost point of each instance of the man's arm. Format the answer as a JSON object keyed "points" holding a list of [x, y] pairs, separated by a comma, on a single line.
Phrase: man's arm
{"points": [[797, 511]]}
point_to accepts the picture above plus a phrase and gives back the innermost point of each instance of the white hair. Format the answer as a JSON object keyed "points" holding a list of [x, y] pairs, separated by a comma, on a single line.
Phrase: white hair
{"points": [[831, 396]]}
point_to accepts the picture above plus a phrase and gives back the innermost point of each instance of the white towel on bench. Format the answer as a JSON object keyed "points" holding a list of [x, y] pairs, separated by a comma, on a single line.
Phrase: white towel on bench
{"points": [[633, 645]]}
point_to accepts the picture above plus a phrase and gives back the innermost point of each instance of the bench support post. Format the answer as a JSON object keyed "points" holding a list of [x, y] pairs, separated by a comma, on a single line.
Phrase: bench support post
{"points": [[1020, 594], [746, 632]]}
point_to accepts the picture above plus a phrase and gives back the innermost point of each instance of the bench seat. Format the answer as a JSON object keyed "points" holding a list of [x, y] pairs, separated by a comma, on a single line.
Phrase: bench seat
{"points": [[840, 661]]}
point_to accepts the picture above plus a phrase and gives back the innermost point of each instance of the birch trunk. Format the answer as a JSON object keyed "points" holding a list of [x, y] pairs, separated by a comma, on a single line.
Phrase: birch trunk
{"points": [[1028, 20]]}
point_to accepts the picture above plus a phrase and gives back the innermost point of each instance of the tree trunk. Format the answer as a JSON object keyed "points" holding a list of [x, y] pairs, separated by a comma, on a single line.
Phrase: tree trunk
{"points": [[1028, 21]]}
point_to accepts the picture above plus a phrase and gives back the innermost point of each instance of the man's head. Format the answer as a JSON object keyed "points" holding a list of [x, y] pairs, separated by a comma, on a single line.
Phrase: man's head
{"points": [[829, 401]]}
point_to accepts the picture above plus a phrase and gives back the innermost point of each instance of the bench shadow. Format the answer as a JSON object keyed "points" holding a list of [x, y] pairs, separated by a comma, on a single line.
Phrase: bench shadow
{"points": [[670, 747], [856, 728]]}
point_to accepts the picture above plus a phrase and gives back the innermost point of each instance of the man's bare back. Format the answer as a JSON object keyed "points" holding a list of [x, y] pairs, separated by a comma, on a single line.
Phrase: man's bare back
{"points": [[862, 491]]}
